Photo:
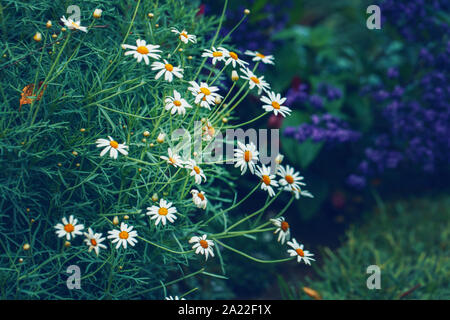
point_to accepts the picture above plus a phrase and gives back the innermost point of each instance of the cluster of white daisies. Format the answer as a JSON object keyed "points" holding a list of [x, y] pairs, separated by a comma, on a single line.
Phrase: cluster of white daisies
{"points": [[245, 156]]}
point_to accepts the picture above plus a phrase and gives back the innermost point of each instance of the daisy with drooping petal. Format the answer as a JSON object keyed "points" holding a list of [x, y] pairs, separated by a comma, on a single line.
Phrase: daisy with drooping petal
{"points": [[216, 55], [274, 102], [204, 94], [260, 57], [199, 199], [162, 213], [176, 103], [283, 229], [290, 179], [112, 146], [184, 36], [245, 156], [93, 240], [233, 58], [174, 298], [255, 81], [69, 229], [167, 70], [124, 236], [196, 171], [73, 25], [304, 193], [142, 50], [267, 179], [202, 246], [297, 250], [173, 159]]}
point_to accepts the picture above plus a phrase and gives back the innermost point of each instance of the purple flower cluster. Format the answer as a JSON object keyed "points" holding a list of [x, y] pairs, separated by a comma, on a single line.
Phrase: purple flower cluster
{"points": [[326, 128], [415, 115], [325, 92]]}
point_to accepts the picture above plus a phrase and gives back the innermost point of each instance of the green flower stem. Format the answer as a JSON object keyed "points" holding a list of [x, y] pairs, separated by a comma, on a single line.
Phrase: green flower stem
{"points": [[145, 162], [245, 123], [252, 258], [190, 291], [232, 30], [223, 101], [234, 234], [278, 214], [219, 114], [164, 248], [218, 75]]}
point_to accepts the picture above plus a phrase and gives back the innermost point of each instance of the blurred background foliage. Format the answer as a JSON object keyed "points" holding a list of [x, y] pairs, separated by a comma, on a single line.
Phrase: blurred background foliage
{"points": [[370, 125]]}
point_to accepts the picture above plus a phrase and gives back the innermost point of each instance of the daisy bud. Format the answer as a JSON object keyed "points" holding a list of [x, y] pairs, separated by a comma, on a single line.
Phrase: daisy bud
{"points": [[279, 158], [165, 193], [146, 134], [115, 221], [63, 29], [26, 247], [48, 24], [126, 217], [151, 15], [217, 100], [67, 244], [224, 120], [246, 11], [144, 140], [59, 164], [156, 25], [181, 49], [234, 75], [32, 221], [28, 210], [155, 197], [82, 130], [190, 57], [77, 164], [54, 36], [140, 169], [195, 153], [97, 13], [4, 56], [151, 145], [312, 293], [20, 260], [161, 137], [75, 153], [37, 37]]}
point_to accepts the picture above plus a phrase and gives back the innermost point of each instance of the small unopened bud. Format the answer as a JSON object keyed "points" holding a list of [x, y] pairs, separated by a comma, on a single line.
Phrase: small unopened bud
{"points": [[67, 244], [77, 164], [140, 169], [54, 36], [59, 164], [224, 120], [156, 25], [234, 75], [75, 153], [246, 11], [161, 137], [165, 193], [217, 100], [279, 158], [82, 130], [63, 29], [28, 209], [190, 57], [181, 49], [37, 37], [155, 197], [151, 145], [115, 221], [146, 134], [144, 140], [26, 247], [48, 24], [195, 153], [312, 293], [97, 13], [126, 217], [20, 260], [151, 15]]}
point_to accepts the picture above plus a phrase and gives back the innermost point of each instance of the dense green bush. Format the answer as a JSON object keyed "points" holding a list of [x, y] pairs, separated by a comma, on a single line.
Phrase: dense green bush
{"points": [[408, 240]]}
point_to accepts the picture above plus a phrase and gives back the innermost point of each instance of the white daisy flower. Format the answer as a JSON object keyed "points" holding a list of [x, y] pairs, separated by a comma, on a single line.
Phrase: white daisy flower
{"points": [[260, 57], [199, 199], [184, 36], [173, 159], [233, 58], [142, 50], [297, 250], [255, 81], [304, 193], [245, 156], [283, 229], [163, 212], [208, 132], [93, 240], [204, 94], [69, 229], [267, 180], [167, 70], [73, 25], [196, 171], [279, 158], [174, 298], [176, 103], [274, 102], [124, 236], [217, 55], [202, 246], [290, 179], [112, 146]]}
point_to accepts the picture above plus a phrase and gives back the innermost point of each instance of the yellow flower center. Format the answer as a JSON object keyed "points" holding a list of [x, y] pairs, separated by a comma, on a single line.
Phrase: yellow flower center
{"points": [[204, 243], [217, 54], [142, 50], [284, 226], [197, 170], [172, 160], [255, 80], [247, 156], [184, 34], [93, 242], [75, 25], [289, 179], [123, 235], [163, 211], [114, 144], [201, 196], [233, 55], [260, 55], [177, 103], [211, 131], [266, 179], [300, 252], [205, 91], [275, 105], [169, 67], [69, 228]]}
